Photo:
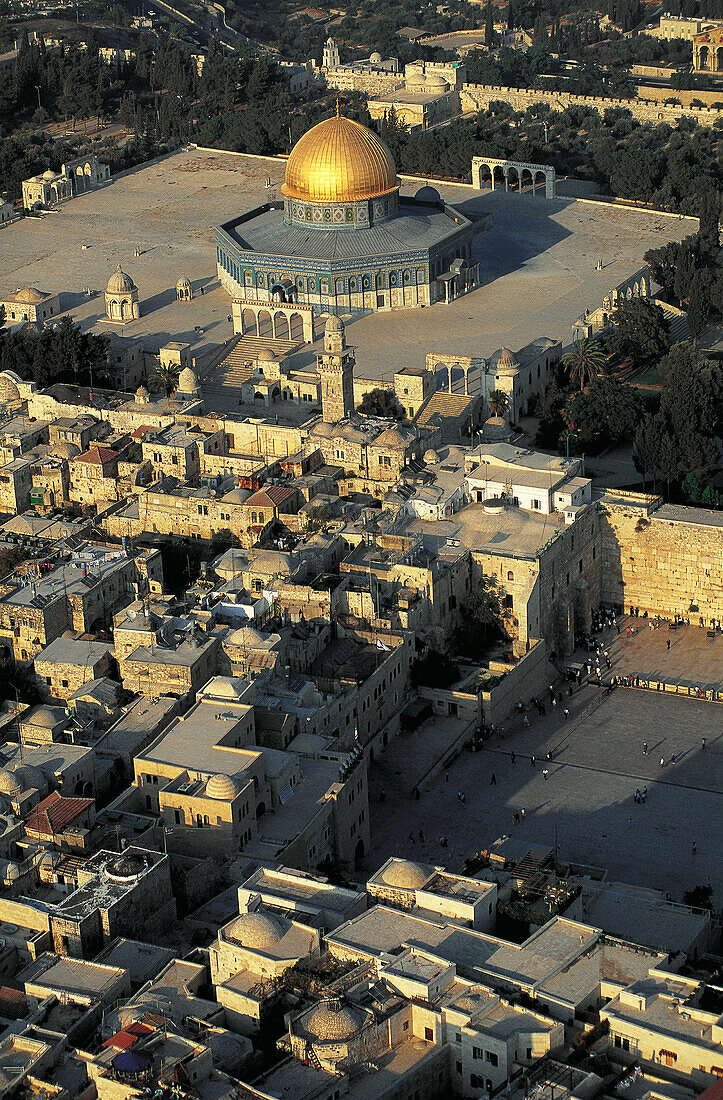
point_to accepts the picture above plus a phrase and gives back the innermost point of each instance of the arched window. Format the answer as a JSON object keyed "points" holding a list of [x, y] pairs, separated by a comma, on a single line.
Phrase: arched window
{"points": [[510, 575]]}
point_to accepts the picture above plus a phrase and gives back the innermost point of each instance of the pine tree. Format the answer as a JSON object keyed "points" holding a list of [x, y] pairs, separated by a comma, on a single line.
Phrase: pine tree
{"points": [[489, 26]]}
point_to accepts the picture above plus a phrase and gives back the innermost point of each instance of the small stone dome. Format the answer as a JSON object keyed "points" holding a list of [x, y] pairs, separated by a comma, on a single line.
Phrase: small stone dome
{"points": [[391, 437], [126, 866], [66, 450], [120, 283], [506, 360], [142, 395], [222, 787], [265, 355], [333, 1021], [49, 174], [44, 717], [31, 777], [496, 430], [334, 324], [428, 194], [431, 457], [375, 58], [187, 381], [405, 874], [184, 283], [435, 83], [256, 930], [9, 784]]}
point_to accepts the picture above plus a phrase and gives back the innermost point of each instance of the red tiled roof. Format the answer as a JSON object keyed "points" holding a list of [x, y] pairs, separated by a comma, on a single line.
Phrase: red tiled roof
{"points": [[127, 1037], [143, 430], [55, 812], [101, 455], [273, 494]]}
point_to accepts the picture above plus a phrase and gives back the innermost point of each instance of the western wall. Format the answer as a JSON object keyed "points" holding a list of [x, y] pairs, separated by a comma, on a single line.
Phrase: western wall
{"points": [[663, 559]]}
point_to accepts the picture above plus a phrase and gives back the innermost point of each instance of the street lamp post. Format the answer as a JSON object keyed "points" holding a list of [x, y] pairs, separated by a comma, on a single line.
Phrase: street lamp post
{"points": [[37, 89]]}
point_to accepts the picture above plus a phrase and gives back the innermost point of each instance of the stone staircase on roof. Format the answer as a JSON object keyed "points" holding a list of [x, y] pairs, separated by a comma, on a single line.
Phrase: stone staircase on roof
{"points": [[452, 410]]}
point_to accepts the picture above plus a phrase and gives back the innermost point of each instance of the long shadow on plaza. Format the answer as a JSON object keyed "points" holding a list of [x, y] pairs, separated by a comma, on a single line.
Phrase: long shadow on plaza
{"points": [[586, 807]]}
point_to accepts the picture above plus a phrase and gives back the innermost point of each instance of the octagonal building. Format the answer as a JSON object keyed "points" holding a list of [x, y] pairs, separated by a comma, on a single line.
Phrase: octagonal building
{"points": [[344, 240]]}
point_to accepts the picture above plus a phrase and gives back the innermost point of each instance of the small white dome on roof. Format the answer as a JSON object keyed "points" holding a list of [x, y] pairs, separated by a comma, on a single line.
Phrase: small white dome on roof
{"points": [[49, 174], [222, 787], [405, 874], [431, 457], [334, 324], [265, 355], [256, 930], [333, 1021], [375, 58], [183, 283], [187, 381], [436, 83]]}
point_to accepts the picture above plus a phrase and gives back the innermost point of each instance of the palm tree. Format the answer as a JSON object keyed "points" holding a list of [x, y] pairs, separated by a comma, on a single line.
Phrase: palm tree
{"points": [[585, 361], [498, 403], [165, 375]]}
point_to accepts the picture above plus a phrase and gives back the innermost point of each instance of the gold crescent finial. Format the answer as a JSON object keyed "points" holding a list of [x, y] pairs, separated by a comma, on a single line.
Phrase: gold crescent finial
{"points": [[337, 106]]}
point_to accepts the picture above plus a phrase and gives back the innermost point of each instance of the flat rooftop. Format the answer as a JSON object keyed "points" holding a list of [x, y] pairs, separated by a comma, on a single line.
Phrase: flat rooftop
{"points": [[537, 261]]}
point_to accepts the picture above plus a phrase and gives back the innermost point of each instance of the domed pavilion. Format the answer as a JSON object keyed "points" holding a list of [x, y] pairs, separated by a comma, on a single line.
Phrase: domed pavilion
{"points": [[344, 240]]}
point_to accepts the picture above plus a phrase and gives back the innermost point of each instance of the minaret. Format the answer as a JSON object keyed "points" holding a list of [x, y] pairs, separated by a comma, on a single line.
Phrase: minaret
{"points": [[330, 56], [336, 373]]}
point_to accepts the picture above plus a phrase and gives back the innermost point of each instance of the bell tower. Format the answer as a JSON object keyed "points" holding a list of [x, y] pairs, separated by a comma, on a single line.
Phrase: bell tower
{"points": [[336, 373]]}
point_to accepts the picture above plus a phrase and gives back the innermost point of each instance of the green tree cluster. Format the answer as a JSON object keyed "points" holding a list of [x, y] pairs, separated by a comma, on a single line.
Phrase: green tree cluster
{"points": [[59, 354], [683, 436], [381, 402]]}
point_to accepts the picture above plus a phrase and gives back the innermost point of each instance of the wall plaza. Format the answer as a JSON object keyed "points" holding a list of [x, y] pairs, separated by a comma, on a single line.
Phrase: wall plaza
{"points": [[343, 239]]}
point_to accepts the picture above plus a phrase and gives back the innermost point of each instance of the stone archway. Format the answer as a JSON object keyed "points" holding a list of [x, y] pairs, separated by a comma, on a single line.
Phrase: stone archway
{"points": [[285, 321], [281, 326], [510, 172], [264, 323]]}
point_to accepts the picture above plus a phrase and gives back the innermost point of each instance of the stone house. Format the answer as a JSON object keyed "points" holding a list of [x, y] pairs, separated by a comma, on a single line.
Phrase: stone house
{"points": [[16, 479], [80, 593], [179, 671], [93, 477], [51, 484], [28, 305], [62, 822], [271, 502], [176, 450], [69, 663]]}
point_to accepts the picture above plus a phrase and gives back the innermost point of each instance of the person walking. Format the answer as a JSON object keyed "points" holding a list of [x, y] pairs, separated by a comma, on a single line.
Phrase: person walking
{"points": [[545, 773], [522, 813], [446, 777], [566, 714], [512, 757], [662, 761], [532, 761], [695, 848], [493, 780], [643, 795], [702, 744], [645, 748], [526, 722], [421, 837]]}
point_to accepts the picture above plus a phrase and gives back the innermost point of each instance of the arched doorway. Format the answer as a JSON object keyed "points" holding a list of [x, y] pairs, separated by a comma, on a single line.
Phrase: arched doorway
{"points": [[260, 810], [359, 853]]}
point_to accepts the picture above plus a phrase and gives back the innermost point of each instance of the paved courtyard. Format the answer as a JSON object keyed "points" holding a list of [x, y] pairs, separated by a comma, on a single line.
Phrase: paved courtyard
{"points": [[537, 259], [586, 805]]}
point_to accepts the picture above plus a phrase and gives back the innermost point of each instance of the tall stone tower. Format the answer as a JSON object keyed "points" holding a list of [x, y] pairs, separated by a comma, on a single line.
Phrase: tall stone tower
{"points": [[336, 373], [330, 56]]}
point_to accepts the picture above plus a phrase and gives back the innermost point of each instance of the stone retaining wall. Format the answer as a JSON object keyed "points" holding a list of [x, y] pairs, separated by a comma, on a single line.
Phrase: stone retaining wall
{"points": [[476, 97]]}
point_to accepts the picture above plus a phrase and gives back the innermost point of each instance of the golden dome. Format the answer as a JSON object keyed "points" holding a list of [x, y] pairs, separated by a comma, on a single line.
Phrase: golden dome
{"points": [[339, 160]]}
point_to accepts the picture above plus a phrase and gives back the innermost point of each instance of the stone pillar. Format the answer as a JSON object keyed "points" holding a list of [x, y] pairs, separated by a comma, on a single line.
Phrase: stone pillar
{"points": [[507, 180], [449, 371], [466, 381], [446, 299]]}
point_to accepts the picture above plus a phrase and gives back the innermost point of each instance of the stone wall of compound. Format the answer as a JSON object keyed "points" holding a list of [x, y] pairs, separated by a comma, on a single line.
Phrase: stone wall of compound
{"points": [[667, 562], [476, 97]]}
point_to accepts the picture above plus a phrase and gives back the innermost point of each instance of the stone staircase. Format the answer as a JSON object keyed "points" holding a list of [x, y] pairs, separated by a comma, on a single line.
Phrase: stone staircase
{"points": [[221, 387]]}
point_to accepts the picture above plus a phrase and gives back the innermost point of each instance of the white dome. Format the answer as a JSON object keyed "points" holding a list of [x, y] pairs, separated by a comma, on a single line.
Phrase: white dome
{"points": [[375, 58], [333, 1022], [405, 874], [223, 787], [31, 777], [431, 457], [334, 324], [256, 930], [44, 717]]}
